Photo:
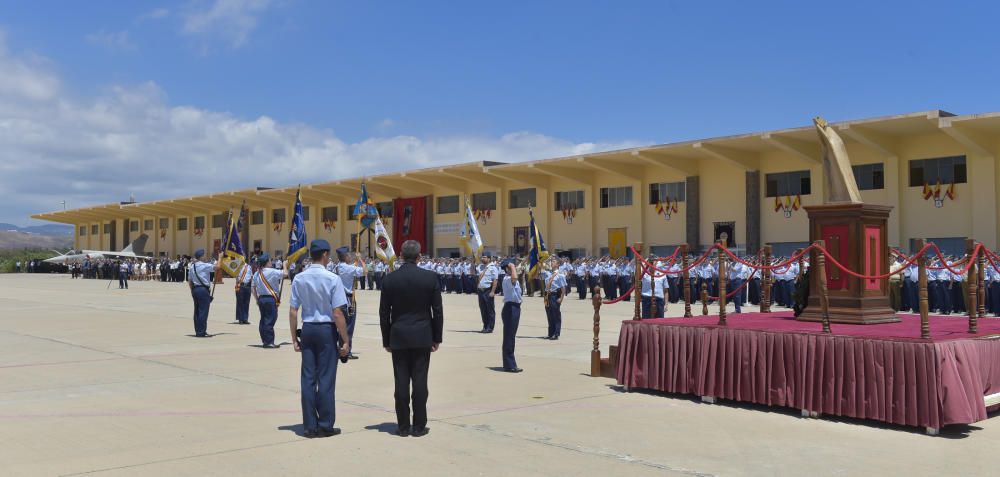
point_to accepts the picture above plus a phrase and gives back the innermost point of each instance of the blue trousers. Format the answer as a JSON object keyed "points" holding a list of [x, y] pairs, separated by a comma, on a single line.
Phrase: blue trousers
{"points": [[351, 318], [202, 300], [511, 317], [652, 307], [318, 376], [737, 298], [243, 304], [554, 314], [268, 316], [487, 309]]}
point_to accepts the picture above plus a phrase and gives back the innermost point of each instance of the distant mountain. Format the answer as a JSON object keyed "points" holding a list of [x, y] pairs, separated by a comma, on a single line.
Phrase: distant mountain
{"points": [[55, 230], [22, 240]]}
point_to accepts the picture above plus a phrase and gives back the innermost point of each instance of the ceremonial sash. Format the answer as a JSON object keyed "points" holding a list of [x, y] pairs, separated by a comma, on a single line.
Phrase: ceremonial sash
{"points": [[263, 279]]}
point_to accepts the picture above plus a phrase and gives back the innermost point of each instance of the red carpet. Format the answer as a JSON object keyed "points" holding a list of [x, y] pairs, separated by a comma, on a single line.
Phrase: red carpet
{"points": [[943, 327], [882, 372]]}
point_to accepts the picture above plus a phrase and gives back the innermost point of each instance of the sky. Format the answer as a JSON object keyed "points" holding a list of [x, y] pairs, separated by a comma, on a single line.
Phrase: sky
{"points": [[104, 99]]}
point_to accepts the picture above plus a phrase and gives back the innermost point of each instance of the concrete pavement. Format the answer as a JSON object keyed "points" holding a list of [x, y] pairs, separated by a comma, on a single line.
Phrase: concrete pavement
{"points": [[109, 382]]}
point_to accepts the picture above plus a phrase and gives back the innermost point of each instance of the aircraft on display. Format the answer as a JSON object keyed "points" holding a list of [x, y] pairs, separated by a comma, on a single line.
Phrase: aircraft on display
{"points": [[136, 249]]}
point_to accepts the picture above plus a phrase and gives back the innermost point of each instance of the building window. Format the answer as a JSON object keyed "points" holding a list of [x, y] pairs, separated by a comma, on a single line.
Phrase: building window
{"points": [[329, 214], [484, 201], [521, 198], [572, 199], [133, 226], [940, 169], [164, 224], [305, 213], [257, 217], [350, 213], [278, 216], [869, 176], [83, 230], [107, 229], [147, 224], [667, 192], [782, 184], [93, 229], [616, 197], [448, 204], [182, 224], [218, 221], [384, 209], [199, 222]]}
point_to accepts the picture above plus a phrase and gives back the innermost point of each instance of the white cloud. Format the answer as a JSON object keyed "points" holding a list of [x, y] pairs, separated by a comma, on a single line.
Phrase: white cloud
{"points": [[230, 20], [131, 140], [115, 41], [155, 14]]}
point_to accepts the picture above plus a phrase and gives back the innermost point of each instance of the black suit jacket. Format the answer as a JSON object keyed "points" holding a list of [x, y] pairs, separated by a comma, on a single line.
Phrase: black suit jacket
{"points": [[410, 311]]}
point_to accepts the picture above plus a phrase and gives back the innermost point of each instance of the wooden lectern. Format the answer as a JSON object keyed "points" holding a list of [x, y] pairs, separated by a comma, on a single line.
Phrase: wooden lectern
{"points": [[855, 236]]}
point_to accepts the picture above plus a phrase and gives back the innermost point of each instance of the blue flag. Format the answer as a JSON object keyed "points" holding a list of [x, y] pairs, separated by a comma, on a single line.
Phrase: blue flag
{"points": [[297, 234], [233, 257], [538, 252], [365, 209]]}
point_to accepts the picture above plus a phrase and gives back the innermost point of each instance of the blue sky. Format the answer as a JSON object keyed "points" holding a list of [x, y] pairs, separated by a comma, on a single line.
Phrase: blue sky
{"points": [[358, 87]]}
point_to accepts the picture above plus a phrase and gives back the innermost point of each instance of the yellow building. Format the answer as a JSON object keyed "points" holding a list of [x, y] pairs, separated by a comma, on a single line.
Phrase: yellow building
{"points": [[752, 187]]}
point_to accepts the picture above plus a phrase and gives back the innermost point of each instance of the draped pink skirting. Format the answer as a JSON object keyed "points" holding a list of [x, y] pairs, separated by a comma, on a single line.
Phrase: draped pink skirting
{"points": [[774, 360]]}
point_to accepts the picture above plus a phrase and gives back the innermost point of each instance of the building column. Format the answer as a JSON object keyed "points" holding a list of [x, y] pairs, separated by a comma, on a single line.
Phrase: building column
{"points": [[753, 212], [692, 213], [980, 174]]}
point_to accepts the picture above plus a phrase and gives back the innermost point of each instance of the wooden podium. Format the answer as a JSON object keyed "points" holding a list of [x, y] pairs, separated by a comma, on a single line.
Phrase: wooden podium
{"points": [[855, 236]]}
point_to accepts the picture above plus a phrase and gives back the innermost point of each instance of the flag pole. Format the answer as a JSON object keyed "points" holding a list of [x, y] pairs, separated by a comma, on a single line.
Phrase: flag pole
{"points": [[225, 246], [281, 285]]}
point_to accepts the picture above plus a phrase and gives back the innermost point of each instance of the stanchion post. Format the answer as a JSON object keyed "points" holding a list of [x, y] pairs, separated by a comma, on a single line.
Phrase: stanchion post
{"points": [[971, 279], [722, 283], [925, 325], [595, 354], [824, 297], [637, 281], [704, 298], [801, 261], [685, 280], [981, 281], [765, 281]]}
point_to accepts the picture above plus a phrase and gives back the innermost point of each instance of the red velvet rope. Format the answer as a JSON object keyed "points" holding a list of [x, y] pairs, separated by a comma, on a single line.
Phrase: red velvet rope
{"points": [[990, 256], [620, 298], [786, 263], [734, 292]]}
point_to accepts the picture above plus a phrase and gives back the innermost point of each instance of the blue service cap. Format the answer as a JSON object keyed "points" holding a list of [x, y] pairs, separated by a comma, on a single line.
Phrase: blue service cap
{"points": [[199, 253], [263, 259], [343, 250], [504, 264], [319, 245]]}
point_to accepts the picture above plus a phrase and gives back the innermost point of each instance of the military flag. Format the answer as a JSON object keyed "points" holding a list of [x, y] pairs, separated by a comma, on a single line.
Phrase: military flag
{"points": [[538, 252], [469, 233], [365, 209], [297, 241], [384, 250], [233, 256]]}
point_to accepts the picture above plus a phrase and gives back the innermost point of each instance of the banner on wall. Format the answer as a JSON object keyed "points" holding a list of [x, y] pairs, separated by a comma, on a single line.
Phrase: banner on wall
{"points": [[410, 222]]}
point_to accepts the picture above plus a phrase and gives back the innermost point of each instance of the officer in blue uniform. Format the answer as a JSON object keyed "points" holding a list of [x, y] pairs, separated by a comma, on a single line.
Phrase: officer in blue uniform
{"points": [[199, 278], [348, 272], [487, 287], [555, 285], [319, 297], [266, 283], [243, 286], [510, 315]]}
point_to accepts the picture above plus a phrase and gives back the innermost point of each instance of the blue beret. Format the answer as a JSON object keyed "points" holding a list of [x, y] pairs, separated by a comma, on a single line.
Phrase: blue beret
{"points": [[263, 259], [319, 245], [199, 253], [343, 250]]}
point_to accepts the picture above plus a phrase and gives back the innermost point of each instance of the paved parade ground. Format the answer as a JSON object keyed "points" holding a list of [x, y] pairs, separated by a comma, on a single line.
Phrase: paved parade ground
{"points": [[110, 382]]}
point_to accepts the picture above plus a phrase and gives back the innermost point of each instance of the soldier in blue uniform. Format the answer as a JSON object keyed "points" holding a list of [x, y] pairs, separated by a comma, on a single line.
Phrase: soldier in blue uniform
{"points": [[555, 285], [199, 279], [348, 272], [488, 280], [510, 315], [319, 297], [266, 283]]}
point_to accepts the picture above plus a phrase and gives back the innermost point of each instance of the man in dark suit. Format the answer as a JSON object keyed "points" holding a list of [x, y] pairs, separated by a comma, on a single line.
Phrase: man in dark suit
{"points": [[412, 325]]}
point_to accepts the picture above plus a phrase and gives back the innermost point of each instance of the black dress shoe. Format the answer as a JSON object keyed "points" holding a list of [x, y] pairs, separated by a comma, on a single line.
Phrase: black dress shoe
{"points": [[419, 431], [483, 330], [403, 432], [554, 338], [333, 431], [311, 434], [513, 370], [352, 356]]}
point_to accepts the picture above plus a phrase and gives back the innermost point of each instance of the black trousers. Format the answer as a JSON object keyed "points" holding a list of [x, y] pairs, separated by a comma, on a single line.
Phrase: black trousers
{"points": [[410, 366], [511, 317]]}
